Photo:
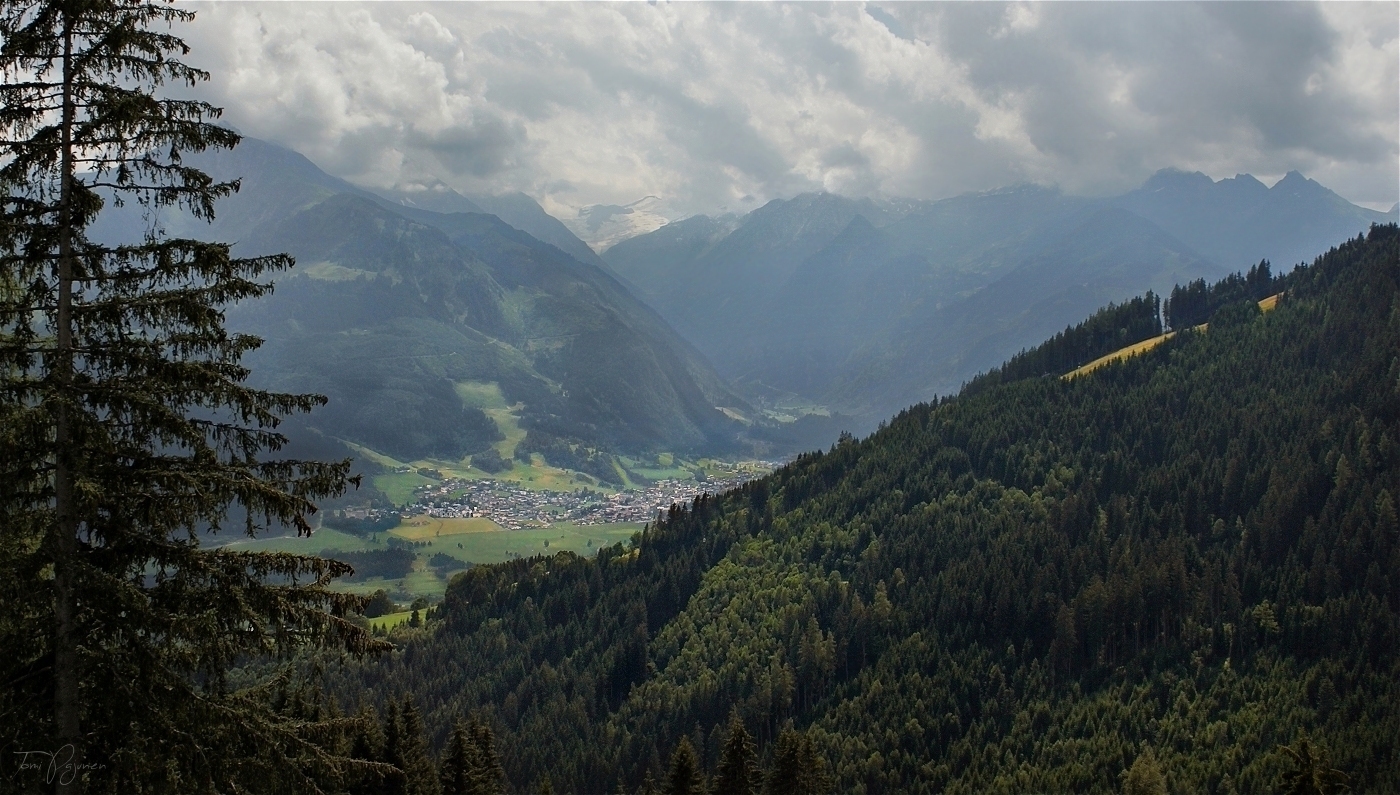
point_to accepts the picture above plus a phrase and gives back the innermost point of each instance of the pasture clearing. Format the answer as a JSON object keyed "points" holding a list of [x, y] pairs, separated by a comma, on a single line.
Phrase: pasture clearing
{"points": [[390, 620], [1266, 305], [1119, 355], [399, 486], [583, 540], [487, 396], [429, 528], [324, 538]]}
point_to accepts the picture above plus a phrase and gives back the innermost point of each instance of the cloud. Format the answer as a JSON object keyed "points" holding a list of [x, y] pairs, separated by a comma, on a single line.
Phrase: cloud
{"points": [[720, 106]]}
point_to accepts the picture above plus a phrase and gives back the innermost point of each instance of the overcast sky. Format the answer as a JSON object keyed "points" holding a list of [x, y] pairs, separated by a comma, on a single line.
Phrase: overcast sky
{"points": [[722, 106]]}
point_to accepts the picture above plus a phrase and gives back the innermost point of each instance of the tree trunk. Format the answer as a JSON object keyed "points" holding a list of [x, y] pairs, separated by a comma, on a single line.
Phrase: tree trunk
{"points": [[67, 726]]}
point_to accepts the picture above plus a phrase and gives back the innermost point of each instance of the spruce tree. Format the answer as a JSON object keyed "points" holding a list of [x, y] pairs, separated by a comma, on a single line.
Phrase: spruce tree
{"points": [[460, 765], [797, 768], [1145, 776], [129, 432], [420, 776], [1311, 775], [491, 774], [396, 781], [368, 748], [738, 772], [685, 776]]}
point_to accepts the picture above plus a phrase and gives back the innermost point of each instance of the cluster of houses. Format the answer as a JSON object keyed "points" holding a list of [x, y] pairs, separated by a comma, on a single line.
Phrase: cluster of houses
{"points": [[513, 507]]}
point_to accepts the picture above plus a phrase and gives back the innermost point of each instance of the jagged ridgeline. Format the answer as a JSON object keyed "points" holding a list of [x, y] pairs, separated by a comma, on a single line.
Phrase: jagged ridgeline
{"points": [[1174, 565]]}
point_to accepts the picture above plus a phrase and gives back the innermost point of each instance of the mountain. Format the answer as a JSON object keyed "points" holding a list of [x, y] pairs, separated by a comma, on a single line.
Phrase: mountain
{"points": [[1237, 222], [1107, 256], [867, 308], [604, 225], [720, 292], [401, 314], [1180, 562], [651, 262], [516, 209]]}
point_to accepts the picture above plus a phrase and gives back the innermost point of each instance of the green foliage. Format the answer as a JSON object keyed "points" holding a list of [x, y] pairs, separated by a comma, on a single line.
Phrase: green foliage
{"points": [[1145, 776], [1310, 774], [1111, 328], [1014, 590], [684, 777], [379, 604], [490, 461], [406, 749], [565, 454], [363, 527], [797, 768], [390, 564], [737, 773], [1197, 302], [129, 431], [471, 765]]}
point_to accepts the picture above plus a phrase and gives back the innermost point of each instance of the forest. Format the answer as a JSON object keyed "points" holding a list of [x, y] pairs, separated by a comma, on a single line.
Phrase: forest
{"points": [[1180, 570], [1176, 573]]}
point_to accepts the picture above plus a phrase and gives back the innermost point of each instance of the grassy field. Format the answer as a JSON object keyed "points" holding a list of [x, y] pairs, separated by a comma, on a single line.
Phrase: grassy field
{"points": [[325, 538], [467, 540], [561, 537], [427, 528], [390, 620], [486, 395], [399, 486], [670, 473], [1119, 355]]}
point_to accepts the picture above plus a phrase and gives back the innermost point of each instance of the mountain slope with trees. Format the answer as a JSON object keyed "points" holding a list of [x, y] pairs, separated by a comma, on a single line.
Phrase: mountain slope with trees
{"points": [[869, 308], [1173, 566], [392, 306]]}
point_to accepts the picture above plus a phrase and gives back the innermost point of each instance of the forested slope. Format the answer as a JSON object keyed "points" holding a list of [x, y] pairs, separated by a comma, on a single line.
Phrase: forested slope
{"points": [[1193, 552]]}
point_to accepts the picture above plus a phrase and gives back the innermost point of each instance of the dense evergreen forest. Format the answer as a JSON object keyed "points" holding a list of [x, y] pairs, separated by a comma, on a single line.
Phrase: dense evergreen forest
{"points": [[1186, 563], [1109, 329]]}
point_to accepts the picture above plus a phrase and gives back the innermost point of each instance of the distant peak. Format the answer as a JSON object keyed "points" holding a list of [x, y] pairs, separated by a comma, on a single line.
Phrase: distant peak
{"points": [[1293, 178], [1176, 178], [1246, 181]]}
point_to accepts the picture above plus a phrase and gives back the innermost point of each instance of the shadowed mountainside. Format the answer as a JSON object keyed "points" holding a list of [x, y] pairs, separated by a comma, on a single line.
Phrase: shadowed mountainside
{"points": [[868, 308]]}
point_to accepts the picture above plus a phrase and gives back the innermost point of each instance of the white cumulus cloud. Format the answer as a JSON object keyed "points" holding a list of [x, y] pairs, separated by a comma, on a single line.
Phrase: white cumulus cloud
{"points": [[719, 106]]}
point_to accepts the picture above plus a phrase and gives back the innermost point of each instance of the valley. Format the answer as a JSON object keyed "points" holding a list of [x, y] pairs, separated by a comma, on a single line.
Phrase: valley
{"points": [[441, 510], [699, 398], [1033, 581]]}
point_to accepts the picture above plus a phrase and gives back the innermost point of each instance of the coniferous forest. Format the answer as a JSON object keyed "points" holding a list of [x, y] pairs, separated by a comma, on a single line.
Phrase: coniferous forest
{"points": [[1177, 571]]}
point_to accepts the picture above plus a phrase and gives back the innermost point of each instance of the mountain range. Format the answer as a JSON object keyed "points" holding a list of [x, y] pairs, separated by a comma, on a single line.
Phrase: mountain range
{"points": [[402, 307], [1179, 568], [868, 307], [767, 332]]}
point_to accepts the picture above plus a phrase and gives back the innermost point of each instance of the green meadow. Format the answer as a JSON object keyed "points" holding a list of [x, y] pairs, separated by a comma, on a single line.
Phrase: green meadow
{"points": [[560, 537], [467, 540]]}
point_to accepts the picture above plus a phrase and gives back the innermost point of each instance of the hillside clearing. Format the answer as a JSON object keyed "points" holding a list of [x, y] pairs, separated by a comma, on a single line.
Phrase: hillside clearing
{"points": [[1266, 305], [425, 528]]}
